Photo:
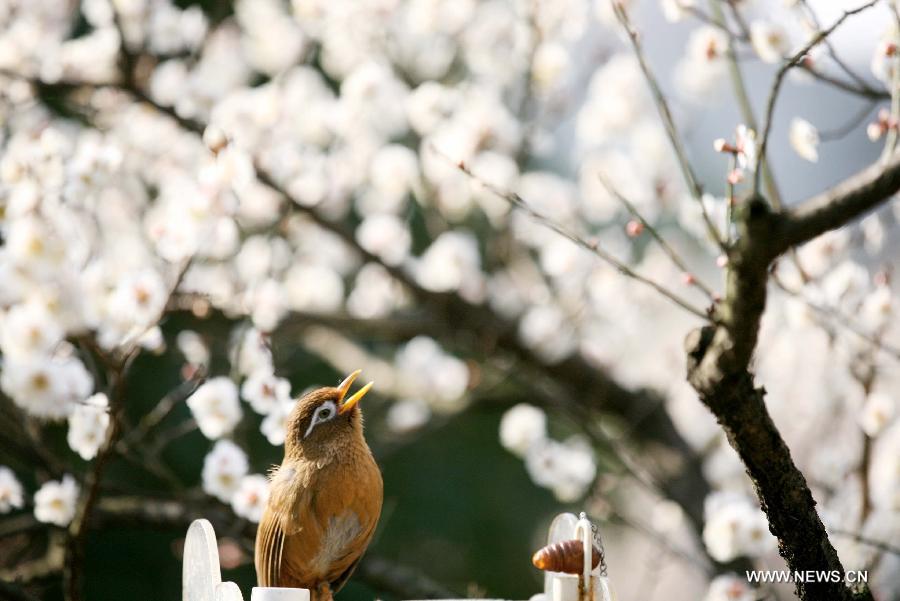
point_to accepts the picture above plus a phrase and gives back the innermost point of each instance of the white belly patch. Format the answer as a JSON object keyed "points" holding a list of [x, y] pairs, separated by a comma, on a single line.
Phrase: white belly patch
{"points": [[340, 532]]}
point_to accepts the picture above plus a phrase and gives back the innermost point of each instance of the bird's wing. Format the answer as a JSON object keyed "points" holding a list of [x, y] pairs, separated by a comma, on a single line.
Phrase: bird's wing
{"points": [[288, 489], [269, 549], [338, 583]]}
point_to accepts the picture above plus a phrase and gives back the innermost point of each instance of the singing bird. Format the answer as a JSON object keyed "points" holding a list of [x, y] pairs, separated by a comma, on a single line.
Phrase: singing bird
{"points": [[325, 496]]}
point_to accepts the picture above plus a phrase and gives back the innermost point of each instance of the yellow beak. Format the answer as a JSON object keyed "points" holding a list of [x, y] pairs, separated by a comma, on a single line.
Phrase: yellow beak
{"points": [[344, 388]]}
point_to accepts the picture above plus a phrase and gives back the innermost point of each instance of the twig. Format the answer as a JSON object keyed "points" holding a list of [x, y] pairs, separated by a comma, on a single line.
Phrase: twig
{"points": [[19, 524], [779, 79], [668, 250], [518, 202], [841, 320], [79, 526], [877, 544], [890, 140], [665, 114], [832, 53], [843, 86], [743, 99], [839, 132], [159, 412], [51, 563], [172, 434]]}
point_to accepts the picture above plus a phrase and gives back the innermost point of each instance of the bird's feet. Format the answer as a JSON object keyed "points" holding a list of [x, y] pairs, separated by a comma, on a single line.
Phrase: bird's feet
{"points": [[322, 593]]}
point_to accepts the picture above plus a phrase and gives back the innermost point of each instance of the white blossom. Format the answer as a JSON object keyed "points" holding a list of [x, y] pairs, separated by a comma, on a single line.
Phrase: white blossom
{"points": [[223, 468], [274, 424], [250, 498], [193, 347], [676, 10], [728, 587], [46, 387], [568, 468], [425, 371], [735, 527], [386, 236], [88, 425], [804, 138], [452, 262], [263, 390], [877, 413], [522, 427], [770, 41], [215, 407], [54, 502], [408, 415], [11, 492]]}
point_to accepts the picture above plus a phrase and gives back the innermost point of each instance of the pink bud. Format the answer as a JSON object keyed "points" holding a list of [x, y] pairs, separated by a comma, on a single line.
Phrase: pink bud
{"points": [[736, 176], [688, 279], [634, 228], [874, 131], [722, 260]]}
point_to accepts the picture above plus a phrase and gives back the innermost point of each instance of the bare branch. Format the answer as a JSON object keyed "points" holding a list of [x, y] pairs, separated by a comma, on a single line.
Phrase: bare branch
{"points": [[792, 62], [518, 202], [668, 250], [668, 122]]}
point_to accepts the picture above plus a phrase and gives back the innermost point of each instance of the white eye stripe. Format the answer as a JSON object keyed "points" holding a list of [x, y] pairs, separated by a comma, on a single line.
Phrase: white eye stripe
{"points": [[325, 412]]}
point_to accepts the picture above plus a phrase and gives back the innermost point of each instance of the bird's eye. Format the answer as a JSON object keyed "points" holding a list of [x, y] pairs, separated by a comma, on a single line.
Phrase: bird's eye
{"points": [[324, 413]]}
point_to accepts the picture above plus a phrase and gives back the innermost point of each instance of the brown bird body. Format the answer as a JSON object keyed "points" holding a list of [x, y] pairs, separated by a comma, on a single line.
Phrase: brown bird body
{"points": [[325, 497]]}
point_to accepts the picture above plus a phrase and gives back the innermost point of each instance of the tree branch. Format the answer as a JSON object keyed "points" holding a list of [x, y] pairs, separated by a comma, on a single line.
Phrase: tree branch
{"points": [[719, 359], [841, 204]]}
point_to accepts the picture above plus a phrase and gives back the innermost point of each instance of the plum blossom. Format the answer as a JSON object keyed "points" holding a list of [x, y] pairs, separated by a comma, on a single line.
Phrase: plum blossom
{"points": [[425, 371], [263, 390], [728, 587], [215, 407], [703, 67], [735, 527], [250, 498], [88, 425], [877, 413], [46, 387], [522, 427], [452, 262], [408, 415], [11, 492], [804, 138], [54, 502], [567, 468], [274, 425], [223, 468], [769, 40]]}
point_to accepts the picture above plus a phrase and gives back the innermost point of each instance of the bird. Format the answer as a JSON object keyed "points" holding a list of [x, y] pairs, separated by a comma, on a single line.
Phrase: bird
{"points": [[325, 498]]}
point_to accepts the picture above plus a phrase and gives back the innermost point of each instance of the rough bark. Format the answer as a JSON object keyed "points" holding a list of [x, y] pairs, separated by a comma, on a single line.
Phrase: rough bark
{"points": [[719, 360]]}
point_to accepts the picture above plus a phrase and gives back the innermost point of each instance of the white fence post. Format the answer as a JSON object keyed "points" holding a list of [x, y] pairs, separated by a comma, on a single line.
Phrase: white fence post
{"points": [[202, 575]]}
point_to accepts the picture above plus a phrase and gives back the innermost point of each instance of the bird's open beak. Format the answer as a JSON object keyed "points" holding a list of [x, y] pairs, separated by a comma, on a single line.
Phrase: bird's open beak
{"points": [[344, 388]]}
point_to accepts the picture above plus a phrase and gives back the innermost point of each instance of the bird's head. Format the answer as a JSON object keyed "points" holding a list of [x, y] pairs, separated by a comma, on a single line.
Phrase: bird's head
{"points": [[326, 419]]}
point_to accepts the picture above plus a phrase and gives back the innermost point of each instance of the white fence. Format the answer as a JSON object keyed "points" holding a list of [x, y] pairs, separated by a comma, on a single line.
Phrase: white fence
{"points": [[202, 575]]}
